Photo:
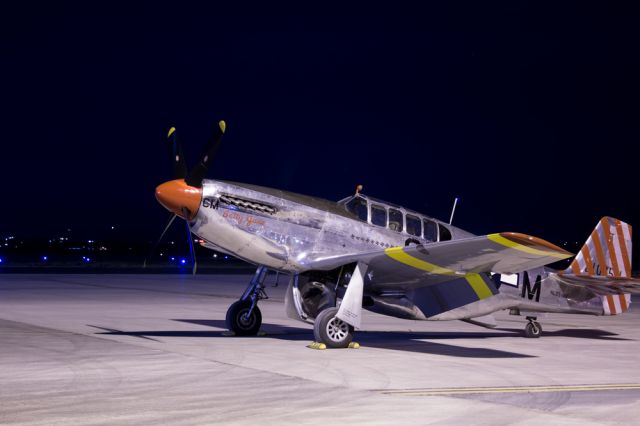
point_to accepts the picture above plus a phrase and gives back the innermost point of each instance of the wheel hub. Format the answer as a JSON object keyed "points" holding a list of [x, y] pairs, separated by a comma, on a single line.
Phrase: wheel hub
{"points": [[245, 320], [337, 330]]}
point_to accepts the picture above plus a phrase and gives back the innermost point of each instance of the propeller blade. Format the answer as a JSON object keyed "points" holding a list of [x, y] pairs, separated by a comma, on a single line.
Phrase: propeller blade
{"points": [[196, 175], [172, 217], [177, 156], [190, 236]]}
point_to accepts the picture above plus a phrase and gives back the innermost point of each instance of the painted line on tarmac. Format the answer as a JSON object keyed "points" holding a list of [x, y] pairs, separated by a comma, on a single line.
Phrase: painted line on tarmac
{"points": [[512, 389]]}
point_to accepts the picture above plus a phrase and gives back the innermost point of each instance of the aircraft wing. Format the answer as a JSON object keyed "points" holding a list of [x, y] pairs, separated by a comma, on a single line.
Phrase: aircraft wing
{"points": [[504, 253], [445, 275], [602, 285]]}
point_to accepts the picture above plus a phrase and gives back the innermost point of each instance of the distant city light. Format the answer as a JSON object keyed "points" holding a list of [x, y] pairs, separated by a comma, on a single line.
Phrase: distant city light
{"points": [[113, 227], [226, 257], [45, 258], [173, 258], [215, 256], [1, 260]]}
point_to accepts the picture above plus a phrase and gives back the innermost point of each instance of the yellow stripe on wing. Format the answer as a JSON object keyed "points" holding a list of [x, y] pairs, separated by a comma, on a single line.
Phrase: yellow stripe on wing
{"points": [[476, 282], [479, 286], [398, 254]]}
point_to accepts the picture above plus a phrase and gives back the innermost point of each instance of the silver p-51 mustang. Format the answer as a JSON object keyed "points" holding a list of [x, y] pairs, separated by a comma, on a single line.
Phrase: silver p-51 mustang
{"points": [[361, 252]]}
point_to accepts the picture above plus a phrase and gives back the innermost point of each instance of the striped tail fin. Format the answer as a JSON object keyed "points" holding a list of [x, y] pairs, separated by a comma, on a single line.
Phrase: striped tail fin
{"points": [[607, 251], [615, 304]]}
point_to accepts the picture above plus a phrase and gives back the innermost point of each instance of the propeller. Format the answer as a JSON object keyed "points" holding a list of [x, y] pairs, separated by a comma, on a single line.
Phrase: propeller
{"points": [[191, 251], [183, 195], [195, 177], [172, 217], [177, 157]]}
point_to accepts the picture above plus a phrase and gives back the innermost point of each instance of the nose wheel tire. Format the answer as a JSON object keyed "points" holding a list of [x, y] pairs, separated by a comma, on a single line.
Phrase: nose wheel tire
{"points": [[331, 330], [533, 329], [240, 321]]}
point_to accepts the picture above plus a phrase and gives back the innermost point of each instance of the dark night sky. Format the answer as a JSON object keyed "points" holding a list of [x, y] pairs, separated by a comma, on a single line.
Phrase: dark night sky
{"points": [[527, 112]]}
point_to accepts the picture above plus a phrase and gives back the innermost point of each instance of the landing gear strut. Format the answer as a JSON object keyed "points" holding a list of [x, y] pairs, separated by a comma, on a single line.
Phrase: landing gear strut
{"points": [[533, 329], [243, 316]]}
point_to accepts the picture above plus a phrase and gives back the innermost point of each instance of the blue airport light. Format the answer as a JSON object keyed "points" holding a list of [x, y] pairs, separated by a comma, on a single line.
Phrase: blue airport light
{"points": [[173, 258], [45, 258], [1, 260], [183, 261]]}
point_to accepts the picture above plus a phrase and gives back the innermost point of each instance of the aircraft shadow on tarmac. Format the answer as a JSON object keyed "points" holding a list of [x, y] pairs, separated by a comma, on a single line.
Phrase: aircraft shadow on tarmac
{"points": [[394, 340]]}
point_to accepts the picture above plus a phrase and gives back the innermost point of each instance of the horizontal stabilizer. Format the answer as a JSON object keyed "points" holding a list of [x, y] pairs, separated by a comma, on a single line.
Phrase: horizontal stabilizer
{"points": [[602, 286]]}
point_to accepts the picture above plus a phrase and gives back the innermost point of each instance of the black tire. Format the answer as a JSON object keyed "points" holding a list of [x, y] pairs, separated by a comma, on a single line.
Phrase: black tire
{"points": [[243, 326], [332, 331], [533, 330]]}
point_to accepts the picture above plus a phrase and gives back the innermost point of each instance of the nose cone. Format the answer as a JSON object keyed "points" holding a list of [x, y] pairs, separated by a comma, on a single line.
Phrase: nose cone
{"points": [[176, 195]]}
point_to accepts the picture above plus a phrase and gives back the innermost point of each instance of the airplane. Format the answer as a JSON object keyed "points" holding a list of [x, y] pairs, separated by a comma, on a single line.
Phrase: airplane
{"points": [[364, 253]]}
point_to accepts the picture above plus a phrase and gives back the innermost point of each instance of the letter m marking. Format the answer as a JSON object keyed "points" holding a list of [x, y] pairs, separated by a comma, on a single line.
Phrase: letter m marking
{"points": [[531, 292]]}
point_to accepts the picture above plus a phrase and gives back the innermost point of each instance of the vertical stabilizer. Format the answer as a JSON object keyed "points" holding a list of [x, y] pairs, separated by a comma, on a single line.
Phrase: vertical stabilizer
{"points": [[607, 251]]}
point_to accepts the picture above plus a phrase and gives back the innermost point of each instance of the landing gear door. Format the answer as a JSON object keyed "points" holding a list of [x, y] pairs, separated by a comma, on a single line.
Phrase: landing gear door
{"points": [[350, 310], [293, 301]]}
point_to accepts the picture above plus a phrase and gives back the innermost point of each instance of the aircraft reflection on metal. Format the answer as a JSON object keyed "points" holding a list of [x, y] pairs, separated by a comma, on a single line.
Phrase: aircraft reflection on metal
{"points": [[361, 252]]}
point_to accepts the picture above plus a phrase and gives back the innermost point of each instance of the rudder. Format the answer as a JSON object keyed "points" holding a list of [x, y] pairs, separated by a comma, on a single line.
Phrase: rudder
{"points": [[607, 251]]}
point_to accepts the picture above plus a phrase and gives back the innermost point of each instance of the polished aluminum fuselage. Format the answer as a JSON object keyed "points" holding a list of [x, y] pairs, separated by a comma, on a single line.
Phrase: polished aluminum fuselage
{"points": [[301, 231]]}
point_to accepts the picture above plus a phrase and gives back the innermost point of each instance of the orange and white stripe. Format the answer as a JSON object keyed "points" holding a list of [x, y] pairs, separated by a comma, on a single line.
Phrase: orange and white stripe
{"points": [[614, 304], [607, 251]]}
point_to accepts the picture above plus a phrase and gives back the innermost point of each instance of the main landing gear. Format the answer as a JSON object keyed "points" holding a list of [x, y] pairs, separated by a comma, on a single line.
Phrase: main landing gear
{"points": [[243, 316], [533, 329], [331, 330]]}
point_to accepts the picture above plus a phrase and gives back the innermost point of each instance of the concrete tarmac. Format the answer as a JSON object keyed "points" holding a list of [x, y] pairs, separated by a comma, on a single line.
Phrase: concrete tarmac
{"points": [[151, 349]]}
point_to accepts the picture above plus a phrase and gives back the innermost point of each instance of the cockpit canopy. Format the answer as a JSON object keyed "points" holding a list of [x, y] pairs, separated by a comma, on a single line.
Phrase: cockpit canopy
{"points": [[395, 218]]}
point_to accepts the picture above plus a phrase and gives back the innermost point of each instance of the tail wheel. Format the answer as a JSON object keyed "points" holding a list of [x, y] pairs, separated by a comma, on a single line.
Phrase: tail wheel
{"points": [[533, 329], [240, 321], [331, 330]]}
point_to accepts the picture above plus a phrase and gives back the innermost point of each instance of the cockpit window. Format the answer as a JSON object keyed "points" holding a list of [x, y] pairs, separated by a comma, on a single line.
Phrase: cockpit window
{"points": [[445, 234], [395, 220], [378, 215], [358, 206], [430, 230], [414, 226]]}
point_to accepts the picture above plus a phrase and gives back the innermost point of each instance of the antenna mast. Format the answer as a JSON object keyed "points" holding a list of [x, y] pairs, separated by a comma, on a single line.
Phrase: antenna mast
{"points": [[453, 210]]}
